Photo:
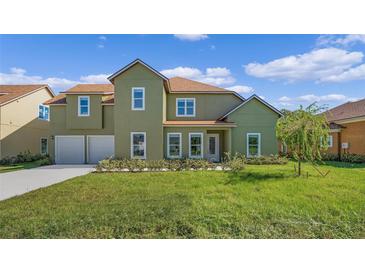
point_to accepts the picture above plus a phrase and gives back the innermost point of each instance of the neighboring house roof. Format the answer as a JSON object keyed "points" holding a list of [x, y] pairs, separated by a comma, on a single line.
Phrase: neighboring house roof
{"points": [[179, 84], [199, 123], [91, 88], [60, 99], [9, 93], [248, 100], [346, 111], [131, 64]]}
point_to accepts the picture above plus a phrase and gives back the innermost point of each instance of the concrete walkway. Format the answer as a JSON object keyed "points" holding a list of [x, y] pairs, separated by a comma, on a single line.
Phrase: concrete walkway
{"points": [[19, 182]]}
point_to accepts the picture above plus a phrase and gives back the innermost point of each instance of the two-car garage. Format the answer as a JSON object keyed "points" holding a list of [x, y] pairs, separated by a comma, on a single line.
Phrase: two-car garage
{"points": [[80, 149]]}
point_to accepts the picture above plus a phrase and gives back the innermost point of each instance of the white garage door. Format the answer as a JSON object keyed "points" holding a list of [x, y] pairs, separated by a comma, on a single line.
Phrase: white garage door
{"points": [[100, 147], [70, 149]]}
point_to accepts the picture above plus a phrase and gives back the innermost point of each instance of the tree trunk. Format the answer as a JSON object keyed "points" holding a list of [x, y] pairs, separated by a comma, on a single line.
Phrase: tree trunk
{"points": [[299, 167]]}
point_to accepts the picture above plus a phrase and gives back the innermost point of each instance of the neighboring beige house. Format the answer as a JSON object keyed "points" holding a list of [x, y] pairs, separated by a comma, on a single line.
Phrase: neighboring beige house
{"points": [[21, 128], [142, 114], [347, 124]]}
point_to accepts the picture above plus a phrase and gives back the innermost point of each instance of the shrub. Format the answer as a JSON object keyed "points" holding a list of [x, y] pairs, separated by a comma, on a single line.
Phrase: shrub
{"points": [[353, 158], [233, 163], [24, 157], [330, 157]]}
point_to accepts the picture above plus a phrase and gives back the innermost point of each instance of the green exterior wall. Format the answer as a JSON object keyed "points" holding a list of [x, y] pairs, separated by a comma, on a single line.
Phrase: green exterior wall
{"points": [[150, 120], [58, 126], [207, 106], [93, 121], [254, 117]]}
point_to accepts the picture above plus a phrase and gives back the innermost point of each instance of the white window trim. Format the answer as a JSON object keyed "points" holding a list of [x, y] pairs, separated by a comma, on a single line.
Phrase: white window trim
{"points": [[259, 145], [202, 145], [168, 145], [143, 101], [330, 141], [145, 146], [40, 147], [185, 115], [88, 106], [49, 113]]}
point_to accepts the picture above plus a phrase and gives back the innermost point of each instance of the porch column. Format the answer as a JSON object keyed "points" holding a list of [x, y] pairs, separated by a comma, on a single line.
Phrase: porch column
{"points": [[227, 141]]}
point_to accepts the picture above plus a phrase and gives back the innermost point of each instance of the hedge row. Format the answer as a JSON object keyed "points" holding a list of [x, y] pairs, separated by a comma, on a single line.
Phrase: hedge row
{"points": [[232, 163], [25, 157], [347, 157]]}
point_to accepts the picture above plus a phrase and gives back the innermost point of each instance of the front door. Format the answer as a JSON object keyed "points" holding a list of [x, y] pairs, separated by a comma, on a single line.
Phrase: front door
{"points": [[213, 147]]}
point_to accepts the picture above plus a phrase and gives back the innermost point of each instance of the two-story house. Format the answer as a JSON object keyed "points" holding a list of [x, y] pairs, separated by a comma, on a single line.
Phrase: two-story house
{"points": [[23, 119], [143, 114]]}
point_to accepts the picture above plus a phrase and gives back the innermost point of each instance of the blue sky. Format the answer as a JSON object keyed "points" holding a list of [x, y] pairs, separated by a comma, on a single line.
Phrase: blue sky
{"points": [[286, 70]]}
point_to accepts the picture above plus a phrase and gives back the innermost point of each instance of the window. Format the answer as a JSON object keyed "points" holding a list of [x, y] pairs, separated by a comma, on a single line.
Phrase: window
{"points": [[253, 144], [174, 145], [44, 146], [43, 113], [185, 107], [84, 105], [196, 145], [330, 141], [137, 98], [138, 145]]}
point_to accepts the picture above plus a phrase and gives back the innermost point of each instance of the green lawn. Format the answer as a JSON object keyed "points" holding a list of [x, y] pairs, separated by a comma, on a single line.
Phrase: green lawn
{"points": [[28, 165], [259, 202]]}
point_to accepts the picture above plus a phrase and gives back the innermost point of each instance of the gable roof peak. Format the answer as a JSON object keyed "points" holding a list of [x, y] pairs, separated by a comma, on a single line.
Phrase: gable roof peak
{"points": [[131, 64]]}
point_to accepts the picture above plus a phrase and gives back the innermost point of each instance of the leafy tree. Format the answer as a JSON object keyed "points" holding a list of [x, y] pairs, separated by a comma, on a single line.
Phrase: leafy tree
{"points": [[305, 133]]}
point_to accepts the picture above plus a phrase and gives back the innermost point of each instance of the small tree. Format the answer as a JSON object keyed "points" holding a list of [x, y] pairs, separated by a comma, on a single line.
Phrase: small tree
{"points": [[305, 133]]}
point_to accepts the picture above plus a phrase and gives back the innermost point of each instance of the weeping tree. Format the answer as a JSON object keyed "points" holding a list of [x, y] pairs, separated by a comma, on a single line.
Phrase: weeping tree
{"points": [[305, 133]]}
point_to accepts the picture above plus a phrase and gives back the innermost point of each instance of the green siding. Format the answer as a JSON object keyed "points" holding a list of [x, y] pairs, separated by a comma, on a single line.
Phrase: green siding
{"points": [[254, 117], [150, 120], [208, 106], [94, 121], [57, 125]]}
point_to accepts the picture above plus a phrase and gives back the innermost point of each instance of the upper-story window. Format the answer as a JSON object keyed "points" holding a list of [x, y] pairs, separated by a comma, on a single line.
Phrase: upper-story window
{"points": [[43, 113], [84, 106], [137, 98], [185, 107]]}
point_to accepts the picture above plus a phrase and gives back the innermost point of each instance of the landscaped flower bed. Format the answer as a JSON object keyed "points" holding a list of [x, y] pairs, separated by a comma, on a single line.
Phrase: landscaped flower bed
{"points": [[232, 163]]}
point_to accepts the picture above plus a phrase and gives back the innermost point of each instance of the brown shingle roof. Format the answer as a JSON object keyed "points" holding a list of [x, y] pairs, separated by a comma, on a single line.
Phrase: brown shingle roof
{"points": [[60, 99], [179, 84], [89, 88], [346, 111], [12, 92]]}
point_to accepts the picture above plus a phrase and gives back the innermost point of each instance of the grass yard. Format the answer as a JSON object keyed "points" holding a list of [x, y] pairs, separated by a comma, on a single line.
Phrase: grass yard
{"points": [[259, 202], [15, 167]]}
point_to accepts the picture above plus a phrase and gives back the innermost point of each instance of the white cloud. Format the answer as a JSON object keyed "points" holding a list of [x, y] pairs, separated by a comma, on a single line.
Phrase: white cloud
{"points": [[215, 76], [101, 46], [102, 37], [284, 99], [95, 78], [241, 89], [212, 47], [218, 72], [316, 65], [191, 37], [311, 98], [356, 73], [20, 76], [346, 40]]}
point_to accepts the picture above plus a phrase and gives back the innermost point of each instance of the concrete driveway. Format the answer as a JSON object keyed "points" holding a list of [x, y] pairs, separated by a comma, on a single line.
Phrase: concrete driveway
{"points": [[19, 182]]}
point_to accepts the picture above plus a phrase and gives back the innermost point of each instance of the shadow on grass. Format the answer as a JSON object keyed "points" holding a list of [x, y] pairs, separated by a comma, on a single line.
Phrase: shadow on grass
{"points": [[252, 177], [343, 164]]}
